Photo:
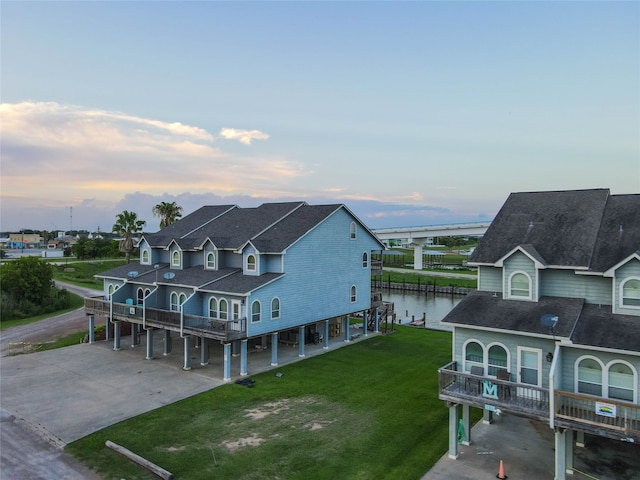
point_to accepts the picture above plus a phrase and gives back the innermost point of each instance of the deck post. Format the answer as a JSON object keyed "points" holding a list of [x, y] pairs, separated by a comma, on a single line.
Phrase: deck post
{"points": [[107, 333], [134, 335], [204, 352], [569, 456], [561, 454], [417, 256], [365, 317], [227, 362], [92, 335], [301, 341], [187, 353], [116, 336], [453, 432], [325, 338], [376, 312], [345, 328], [243, 357], [466, 424], [168, 342], [274, 349], [149, 344]]}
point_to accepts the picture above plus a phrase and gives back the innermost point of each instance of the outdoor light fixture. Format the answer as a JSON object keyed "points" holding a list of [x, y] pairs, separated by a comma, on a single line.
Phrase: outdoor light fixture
{"points": [[549, 357]]}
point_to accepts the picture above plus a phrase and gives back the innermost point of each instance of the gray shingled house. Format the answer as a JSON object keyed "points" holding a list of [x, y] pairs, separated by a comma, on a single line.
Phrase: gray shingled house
{"points": [[553, 331]]}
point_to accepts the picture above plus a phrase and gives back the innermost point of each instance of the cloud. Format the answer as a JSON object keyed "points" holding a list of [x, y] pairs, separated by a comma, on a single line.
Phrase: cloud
{"points": [[244, 136]]}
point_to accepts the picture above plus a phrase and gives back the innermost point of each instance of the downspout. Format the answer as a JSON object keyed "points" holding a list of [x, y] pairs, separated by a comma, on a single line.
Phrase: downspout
{"points": [[552, 386]]}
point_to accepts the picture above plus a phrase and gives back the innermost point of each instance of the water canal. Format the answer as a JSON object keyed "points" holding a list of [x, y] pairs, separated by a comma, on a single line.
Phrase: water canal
{"points": [[413, 305]]}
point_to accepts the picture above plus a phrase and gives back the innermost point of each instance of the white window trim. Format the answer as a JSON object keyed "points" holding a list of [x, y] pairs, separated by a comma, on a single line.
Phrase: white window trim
{"points": [[576, 375], [217, 307], [146, 261], [365, 260], [259, 313], [225, 311], [206, 261], [519, 297], [279, 308], [486, 355], [173, 258], [353, 294], [538, 351], [353, 231], [634, 372], [255, 265], [171, 302], [621, 294], [464, 354]]}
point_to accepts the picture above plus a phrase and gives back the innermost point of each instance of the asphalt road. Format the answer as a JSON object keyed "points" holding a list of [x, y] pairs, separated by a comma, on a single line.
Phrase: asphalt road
{"points": [[25, 453]]}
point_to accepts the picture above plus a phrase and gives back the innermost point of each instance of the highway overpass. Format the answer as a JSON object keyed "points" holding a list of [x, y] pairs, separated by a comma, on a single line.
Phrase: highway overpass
{"points": [[417, 236]]}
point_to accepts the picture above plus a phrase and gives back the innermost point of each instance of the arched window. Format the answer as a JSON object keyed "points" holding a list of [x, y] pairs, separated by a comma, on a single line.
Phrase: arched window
{"points": [[365, 260], [255, 311], [145, 256], [352, 231], [147, 292], [213, 307], [473, 356], [520, 285], [211, 260], [175, 258], [182, 298], [620, 381], [590, 377], [140, 296], [110, 289], [174, 302], [353, 294], [631, 293], [275, 308], [224, 309], [251, 263], [497, 360]]}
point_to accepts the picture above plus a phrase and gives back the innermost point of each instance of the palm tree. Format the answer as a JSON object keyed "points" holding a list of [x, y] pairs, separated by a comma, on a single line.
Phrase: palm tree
{"points": [[168, 213], [127, 224]]}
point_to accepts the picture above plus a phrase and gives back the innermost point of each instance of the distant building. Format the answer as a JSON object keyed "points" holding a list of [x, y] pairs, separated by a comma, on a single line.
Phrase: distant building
{"points": [[553, 332], [24, 240]]}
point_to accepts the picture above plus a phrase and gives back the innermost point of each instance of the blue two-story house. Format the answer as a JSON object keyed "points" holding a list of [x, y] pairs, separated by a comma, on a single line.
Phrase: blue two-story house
{"points": [[280, 272], [553, 332]]}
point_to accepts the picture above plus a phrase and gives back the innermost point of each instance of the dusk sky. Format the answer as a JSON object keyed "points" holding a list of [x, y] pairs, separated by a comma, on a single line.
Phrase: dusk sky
{"points": [[410, 113]]}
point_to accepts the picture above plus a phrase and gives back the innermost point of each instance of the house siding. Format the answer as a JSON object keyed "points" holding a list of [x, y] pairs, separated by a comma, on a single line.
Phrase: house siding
{"points": [[630, 269], [489, 279], [565, 283], [324, 265]]}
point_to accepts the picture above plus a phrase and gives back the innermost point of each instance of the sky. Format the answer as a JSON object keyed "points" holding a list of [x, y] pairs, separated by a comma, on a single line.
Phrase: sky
{"points": [[409, 113]]}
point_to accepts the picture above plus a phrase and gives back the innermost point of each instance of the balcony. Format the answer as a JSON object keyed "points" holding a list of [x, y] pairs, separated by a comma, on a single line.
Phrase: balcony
{"points": [[599, 416], [481, 391], [224, 330]]}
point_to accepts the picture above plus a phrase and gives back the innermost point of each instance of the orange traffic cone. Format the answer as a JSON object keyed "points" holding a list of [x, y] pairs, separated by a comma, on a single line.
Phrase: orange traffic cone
{"points": [[501, 474]]}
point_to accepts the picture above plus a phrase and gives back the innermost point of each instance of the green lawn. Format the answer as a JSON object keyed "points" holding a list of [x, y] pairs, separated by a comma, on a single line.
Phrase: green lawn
{"points": [[366, 411], [81, 273]]}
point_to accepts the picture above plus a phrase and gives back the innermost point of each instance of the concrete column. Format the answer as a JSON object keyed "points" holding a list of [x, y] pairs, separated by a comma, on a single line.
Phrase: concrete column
{"points": [[365, 330], [187, 353], [149, 344], [417, 257], [580, 439], [227, 362], [453, 432], [134, 335], [274, 349], [204, 352], [92, 335], [487, 417], [561, 454], [235, 348], [243, 357], [569, 456], [263, 342], [301, 341], [116, 336], [325, 339], [466, 424], [107, 333], [377, 314], [345, 328], [168, 342]]}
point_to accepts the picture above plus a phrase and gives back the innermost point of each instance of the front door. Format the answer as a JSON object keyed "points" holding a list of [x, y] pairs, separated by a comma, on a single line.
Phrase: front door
{"points": [[529, 371], [236, 308]]}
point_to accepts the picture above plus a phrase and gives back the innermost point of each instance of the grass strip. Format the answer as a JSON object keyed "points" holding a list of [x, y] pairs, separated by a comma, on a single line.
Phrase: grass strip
{"points": [[369, 410]]}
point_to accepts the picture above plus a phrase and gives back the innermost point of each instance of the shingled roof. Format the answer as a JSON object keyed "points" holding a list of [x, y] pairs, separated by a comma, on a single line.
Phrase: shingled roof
{"points": [[588, 229]]}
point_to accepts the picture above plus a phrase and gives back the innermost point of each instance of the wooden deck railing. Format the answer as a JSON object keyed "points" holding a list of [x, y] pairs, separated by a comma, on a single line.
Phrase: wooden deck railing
{"points": [[481, 391], [601, 415], [194, 324]]}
